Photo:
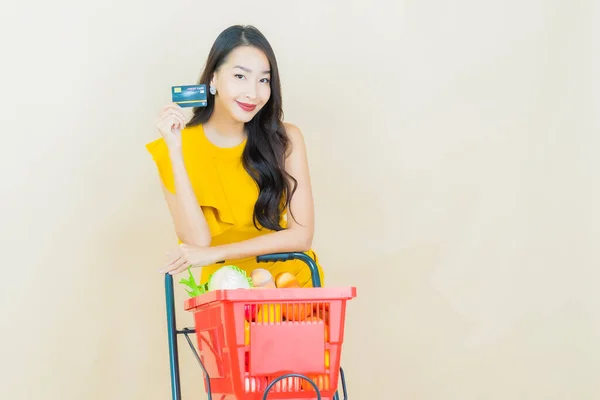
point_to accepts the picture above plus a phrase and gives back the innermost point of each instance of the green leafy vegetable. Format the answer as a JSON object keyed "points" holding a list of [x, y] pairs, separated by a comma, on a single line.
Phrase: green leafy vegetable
{"points": [[191, 283]]}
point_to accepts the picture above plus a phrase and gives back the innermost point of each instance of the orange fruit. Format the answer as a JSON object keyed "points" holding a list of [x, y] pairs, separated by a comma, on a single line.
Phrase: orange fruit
{"points": [[286, 280], [296, 312]]}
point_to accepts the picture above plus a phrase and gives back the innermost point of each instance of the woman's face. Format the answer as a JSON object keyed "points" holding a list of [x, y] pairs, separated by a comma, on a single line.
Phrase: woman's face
{"points": [[243, 83]]}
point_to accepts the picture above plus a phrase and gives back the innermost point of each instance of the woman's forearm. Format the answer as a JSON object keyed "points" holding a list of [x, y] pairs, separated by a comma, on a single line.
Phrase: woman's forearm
{"points": [[190, 222], [288, 240]]}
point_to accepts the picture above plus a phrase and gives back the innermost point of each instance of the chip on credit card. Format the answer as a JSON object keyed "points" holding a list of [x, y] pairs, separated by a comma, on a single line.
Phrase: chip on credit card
{"points": [[189, 95]]}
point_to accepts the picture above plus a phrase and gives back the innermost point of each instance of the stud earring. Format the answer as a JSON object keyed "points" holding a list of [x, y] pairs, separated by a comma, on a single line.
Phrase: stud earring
{"points": [[213, 90]]}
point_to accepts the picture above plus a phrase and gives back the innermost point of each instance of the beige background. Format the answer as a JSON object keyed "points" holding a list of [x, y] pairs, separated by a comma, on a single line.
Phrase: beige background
{"points": [[453, 149]]}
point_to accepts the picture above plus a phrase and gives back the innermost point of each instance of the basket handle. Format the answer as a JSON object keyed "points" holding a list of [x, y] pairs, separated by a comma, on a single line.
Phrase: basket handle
{"points": [[312, 265]]}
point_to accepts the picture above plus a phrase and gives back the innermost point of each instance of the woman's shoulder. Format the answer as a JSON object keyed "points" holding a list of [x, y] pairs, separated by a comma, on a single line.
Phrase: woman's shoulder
{"points": [[295, 136], [293, 131]]}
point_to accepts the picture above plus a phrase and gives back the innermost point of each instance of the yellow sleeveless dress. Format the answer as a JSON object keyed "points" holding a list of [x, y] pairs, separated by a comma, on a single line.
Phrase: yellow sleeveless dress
{"points": [[226, 194]]}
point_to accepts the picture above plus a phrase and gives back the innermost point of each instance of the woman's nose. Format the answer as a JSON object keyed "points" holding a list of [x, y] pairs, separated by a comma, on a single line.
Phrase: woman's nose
{"points": [[251, 91]]}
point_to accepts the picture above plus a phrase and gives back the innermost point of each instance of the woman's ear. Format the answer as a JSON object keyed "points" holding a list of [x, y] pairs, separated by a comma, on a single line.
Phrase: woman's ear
{"points": [[212, 87]]}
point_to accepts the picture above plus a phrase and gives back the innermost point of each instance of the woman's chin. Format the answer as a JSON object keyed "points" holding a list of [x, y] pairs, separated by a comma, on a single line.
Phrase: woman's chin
{"points": [[243, 116]]}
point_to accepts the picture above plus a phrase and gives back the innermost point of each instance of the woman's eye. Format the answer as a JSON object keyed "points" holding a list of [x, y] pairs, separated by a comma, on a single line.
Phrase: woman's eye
{"points": [[239, 76], [265, 80]]}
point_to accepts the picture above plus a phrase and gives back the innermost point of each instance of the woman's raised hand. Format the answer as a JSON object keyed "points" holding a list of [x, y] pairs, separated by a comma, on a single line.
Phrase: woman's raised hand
{"points": [[170, 123]]}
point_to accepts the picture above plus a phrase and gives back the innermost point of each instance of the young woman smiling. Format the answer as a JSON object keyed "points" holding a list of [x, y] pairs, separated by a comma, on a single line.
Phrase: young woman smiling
{"points": [[236, 177]]}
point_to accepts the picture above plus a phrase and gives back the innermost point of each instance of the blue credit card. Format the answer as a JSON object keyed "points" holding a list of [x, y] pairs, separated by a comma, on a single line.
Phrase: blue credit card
{"points": [[189, 95]]}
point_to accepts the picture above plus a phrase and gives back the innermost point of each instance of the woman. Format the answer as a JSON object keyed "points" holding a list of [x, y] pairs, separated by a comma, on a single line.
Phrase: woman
{"points": [[236, 177]]}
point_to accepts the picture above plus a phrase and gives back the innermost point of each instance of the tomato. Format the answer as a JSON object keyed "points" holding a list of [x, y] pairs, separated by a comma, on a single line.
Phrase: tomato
{"points": [[250, 311]]}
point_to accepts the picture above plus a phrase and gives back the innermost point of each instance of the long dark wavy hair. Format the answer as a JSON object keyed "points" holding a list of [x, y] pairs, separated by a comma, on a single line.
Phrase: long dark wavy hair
{"points": [[267, 144]]}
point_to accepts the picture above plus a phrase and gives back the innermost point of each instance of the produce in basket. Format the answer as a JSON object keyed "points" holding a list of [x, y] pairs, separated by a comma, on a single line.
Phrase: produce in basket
{"points": [[286, 280], [269, 314], [261, 278], [322, 311], [296, 312], [226, 277], [246, 333], [195, 289], [250, 312], [229, 277]]}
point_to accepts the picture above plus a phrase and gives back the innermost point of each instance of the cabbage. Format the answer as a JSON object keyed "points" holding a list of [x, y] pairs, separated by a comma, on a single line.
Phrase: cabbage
{"points": [[229, 277]]}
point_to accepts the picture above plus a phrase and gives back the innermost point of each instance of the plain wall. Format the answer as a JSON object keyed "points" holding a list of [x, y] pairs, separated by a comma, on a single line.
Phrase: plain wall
{"points": [[453, 148]]}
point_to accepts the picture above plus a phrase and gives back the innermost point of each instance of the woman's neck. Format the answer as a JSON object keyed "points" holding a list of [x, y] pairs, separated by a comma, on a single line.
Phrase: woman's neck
{"points": [[221, 124]]}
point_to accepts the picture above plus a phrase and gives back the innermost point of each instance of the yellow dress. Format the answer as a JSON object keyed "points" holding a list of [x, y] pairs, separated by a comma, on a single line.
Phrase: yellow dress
{"points": [[226, 194]]}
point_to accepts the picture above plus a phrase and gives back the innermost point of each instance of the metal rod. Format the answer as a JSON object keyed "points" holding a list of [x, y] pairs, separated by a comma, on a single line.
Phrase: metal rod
{"points": [[206, 377], [270, 386], [172, 334], [343, 383]]}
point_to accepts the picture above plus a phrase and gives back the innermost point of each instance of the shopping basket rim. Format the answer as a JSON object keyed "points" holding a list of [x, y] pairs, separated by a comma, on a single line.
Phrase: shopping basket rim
{"points": [[272, 295]]}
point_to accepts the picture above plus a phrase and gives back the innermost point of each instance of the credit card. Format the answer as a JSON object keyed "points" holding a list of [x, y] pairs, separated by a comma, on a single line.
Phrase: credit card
{"points": [[189, 95]]}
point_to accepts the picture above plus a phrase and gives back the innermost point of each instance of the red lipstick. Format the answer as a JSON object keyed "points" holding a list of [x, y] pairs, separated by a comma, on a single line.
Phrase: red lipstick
{"points": [[246, 107]]}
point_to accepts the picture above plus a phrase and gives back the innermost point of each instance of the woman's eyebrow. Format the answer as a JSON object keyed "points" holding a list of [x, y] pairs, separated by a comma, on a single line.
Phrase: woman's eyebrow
{"points": [[249, 70]]}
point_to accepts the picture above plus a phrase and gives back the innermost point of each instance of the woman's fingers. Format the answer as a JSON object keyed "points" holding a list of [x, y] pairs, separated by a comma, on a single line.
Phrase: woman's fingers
{"points": [[181, 269], [175, 264], [171, 106], [178, 123], [177, 115], [174, 111], [172, 120], [173, 255], [182, 120], [166, 123]]}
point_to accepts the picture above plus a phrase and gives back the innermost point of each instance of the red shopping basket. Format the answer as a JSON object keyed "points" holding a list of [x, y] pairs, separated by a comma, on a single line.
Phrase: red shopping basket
{"points": [[258, 344], [249, 338]]}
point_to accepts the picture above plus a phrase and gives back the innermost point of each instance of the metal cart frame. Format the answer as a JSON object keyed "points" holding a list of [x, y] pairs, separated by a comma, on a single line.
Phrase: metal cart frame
{"points": [[173, 332]]}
